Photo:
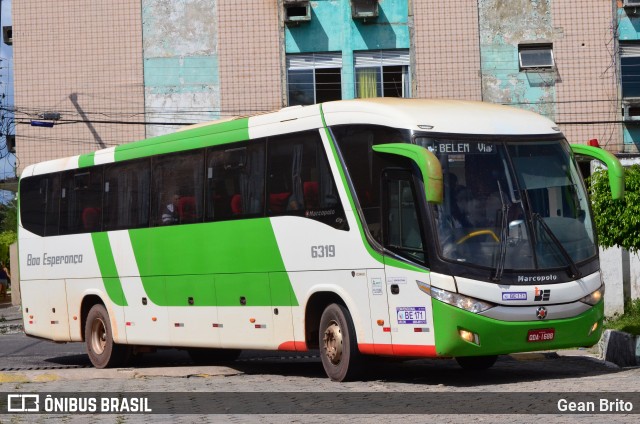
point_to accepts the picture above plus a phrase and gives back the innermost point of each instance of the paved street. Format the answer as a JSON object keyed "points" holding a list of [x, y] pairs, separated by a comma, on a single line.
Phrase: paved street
{"points": [[53, 368]]}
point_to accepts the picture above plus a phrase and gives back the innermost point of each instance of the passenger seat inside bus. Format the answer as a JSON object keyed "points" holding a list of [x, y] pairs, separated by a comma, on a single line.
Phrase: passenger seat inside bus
{"points": [[311, 195], [91, 219], [187, 211], [278, 202], [236, 204]]}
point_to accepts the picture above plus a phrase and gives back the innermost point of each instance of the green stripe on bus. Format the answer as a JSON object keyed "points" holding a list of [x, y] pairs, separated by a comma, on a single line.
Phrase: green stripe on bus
{"points": [[85, 161], [224, 261], [210, 135], [108, 270]]}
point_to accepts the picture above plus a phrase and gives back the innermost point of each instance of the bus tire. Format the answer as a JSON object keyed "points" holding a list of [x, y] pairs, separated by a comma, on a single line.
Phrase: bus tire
{"points": [[204, 356], [102, 350], [476, 363], [339, 352]]}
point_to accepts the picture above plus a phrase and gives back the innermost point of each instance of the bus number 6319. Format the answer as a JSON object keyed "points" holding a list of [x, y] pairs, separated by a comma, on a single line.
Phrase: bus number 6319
{"points": [[323, 251]]}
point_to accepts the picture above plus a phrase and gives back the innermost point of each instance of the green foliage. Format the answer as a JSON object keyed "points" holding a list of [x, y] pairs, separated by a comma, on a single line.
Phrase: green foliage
{"points": [[629, 322], [9, 216], [617, 221], [8, 227]]}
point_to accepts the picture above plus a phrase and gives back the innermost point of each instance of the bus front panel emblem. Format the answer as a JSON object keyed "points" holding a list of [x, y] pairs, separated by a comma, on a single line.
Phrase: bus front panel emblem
{"points": [[541, 312]]}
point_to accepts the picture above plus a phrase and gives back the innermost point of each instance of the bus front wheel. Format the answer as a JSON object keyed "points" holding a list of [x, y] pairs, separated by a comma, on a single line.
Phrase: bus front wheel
{"points": [[102, 350], [476, 363], [338, 346]]}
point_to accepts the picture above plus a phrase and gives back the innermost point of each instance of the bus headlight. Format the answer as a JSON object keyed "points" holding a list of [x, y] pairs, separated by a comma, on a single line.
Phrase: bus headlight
{"points": [[467, 303], [594, 297]]}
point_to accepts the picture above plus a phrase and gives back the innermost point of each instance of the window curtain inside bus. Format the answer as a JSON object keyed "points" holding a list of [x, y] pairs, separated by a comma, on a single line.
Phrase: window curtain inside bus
{"points": [[297, 195], [252, 181]]}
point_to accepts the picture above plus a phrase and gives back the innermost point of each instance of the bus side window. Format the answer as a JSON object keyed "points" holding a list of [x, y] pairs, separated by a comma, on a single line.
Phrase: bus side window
{"points": [[177, 181], [81, 201], [300, 181], [33, 200], [126, 195], [235, 182]]}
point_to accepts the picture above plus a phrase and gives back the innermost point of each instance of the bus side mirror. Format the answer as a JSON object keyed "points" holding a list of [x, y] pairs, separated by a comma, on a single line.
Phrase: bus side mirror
{"points": [[614, 167], [427, 162]]}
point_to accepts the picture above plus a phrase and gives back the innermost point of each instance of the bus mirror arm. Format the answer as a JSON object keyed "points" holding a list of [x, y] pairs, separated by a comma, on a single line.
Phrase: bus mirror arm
{"points": [[614, 167], [426, 161]]}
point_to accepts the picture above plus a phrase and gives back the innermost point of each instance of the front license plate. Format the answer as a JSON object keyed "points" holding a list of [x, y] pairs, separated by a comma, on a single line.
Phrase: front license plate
{"points": [[544, 335]]}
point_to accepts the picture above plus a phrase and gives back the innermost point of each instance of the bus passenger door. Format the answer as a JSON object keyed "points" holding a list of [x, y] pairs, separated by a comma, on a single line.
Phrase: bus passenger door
{"points": [[410, 314], [380, 324]]}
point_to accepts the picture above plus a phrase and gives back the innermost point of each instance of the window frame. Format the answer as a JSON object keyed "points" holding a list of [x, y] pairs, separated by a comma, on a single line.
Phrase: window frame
{"points": [[378, 60], [539, 48], [310, 63]]}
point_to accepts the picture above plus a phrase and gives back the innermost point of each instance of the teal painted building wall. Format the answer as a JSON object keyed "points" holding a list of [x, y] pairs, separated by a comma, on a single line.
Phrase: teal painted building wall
{"points": [[504, 26], [333, 29], [180, 57]]}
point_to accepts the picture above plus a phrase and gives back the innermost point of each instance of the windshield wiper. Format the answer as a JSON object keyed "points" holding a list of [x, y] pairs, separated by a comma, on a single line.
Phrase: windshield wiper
{"points": [[502, 253], [573, 269]]}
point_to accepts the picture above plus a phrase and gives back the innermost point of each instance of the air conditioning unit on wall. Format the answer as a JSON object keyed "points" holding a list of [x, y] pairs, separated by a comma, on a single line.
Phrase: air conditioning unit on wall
{"points": [[296, 11], [364, 9], [631, 7], [631, 110]]}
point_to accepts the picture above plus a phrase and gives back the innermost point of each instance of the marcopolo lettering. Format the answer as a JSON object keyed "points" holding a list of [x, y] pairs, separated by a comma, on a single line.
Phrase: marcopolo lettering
{"points": [[536, 278]]}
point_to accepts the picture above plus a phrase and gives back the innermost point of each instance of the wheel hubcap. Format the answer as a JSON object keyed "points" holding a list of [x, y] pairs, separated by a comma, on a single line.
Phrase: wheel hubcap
{"points": [[98, 336], [332, 341]]}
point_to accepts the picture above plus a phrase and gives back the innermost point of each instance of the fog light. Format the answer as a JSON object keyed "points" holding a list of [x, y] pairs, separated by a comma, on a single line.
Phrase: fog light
{"points": [[594, 327], [468, 336]]}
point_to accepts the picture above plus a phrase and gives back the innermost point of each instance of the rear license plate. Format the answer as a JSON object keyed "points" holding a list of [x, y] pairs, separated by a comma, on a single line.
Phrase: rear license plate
{"points": [[544, 335]]}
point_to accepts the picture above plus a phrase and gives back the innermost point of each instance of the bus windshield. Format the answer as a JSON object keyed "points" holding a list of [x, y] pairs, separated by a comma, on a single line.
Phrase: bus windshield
{"points": [[511, 205]]}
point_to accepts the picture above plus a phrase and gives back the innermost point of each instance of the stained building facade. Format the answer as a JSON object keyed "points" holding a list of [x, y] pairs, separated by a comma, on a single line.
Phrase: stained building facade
{"points": [[98, 74]]}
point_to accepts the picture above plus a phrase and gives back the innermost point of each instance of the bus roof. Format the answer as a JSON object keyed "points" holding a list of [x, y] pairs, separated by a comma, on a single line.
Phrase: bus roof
{"points": [[438, 116], [441, 116]]}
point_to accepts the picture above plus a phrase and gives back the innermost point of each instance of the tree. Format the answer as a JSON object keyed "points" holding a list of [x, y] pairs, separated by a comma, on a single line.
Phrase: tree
{"points": [[617, 221], [8, 227]]}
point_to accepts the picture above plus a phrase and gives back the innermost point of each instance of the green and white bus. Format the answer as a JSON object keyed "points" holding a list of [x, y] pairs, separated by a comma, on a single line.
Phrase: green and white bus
{"points": [[381, 227]]}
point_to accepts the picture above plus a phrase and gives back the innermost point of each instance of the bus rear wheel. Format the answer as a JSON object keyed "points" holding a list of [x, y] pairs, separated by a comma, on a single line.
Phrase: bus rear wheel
{"points": [[102, 350], [476, 363], [339, 352]]}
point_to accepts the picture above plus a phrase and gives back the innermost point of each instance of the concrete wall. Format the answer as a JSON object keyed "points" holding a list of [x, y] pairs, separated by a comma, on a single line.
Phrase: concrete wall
{"points": [[504, 25], [181, 74], [251, 57], [84, 63], [621, 274], [446, 49], [587, 85]]}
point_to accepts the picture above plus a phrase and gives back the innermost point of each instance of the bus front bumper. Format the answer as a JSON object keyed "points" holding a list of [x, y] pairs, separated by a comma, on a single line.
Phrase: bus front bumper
{"points": [[462, 333]]}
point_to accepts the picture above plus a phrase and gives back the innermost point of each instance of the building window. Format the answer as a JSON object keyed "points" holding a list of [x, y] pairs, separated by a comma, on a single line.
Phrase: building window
{"points": [[313, 78], [536, 57], [630, 69], [382, 73]]}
